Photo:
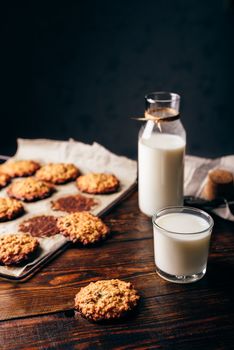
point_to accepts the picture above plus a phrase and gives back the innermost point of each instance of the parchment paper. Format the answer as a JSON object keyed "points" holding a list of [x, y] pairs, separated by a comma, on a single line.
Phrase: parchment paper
{"points": [[88, 158], [196, 170]]}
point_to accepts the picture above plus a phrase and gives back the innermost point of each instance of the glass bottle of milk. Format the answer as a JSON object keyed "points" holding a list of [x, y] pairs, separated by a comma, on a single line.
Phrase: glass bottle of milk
{"points": [[161, 150]]}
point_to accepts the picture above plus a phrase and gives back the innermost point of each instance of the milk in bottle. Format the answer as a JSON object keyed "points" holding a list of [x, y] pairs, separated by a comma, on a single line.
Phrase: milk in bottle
{"points": [[161, 149]]}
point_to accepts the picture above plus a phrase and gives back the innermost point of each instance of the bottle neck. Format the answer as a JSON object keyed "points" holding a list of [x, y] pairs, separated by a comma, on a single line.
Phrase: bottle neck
{"points": [[162, 114]]}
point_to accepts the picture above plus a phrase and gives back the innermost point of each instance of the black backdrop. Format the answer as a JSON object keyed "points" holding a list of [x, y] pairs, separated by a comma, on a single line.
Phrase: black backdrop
{"points": [[81, 69]]}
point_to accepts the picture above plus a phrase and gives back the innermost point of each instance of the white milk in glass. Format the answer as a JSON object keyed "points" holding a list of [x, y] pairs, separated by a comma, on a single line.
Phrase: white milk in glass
{"points": [[181, 245], [160, 171]]}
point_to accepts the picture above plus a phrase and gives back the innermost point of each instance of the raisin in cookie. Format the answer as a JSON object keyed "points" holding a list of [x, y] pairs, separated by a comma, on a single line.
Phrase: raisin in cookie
{"points": [[82, 227], [17, 168], [106, 300], [10, 209], [30, 189], [58, 173], [97, 183], [15, 248]]}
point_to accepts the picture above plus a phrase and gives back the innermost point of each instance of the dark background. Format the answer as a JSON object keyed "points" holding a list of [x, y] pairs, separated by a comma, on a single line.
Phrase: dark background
{"points": [[81, 69]]}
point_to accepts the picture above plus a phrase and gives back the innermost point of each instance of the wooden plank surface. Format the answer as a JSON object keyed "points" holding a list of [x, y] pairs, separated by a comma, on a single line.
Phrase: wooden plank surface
{"points": [[37, 314]]}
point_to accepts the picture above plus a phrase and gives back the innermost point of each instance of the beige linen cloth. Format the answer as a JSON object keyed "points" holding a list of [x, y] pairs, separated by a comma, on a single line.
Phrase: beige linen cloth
{"points": [[196, 170]]}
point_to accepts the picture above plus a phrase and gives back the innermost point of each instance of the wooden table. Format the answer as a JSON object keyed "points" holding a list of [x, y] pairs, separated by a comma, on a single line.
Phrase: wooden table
{"points": [[38, 314]]}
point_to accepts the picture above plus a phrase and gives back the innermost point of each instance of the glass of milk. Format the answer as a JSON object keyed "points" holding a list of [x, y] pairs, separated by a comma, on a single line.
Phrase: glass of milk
{"points": [[181, 243], [161, 149]]}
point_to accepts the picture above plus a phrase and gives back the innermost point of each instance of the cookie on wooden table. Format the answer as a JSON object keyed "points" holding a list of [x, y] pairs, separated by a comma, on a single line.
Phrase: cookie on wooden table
{"points": [[73, 203], [40, 226], [58, 173], [4, 180], [15, 248], [30, 189], [97, 183], [219, 183], [106, 300], [82, 227], [18, 168], [10, 209]]}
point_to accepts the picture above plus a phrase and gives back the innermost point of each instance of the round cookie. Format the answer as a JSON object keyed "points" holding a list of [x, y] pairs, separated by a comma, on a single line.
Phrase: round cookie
{"points": [[15, 248], [4, 180], [58, 173], [106, 299], [18, 168], [30, 189], [73, 203], [97, 183], [40, 226], [10, 209], [82, 227]]}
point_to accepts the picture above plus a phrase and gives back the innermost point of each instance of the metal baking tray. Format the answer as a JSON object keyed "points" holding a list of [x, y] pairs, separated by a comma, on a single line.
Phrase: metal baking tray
{"points": [[31, 268]]}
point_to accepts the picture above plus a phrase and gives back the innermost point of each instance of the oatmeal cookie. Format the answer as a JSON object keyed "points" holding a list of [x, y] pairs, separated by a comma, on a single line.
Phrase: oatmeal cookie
{"points": [[17, 168], [30, 189], [74, 203], [58, 173], [106, 299], [82, 227], [40, 226], [4, 180], [15, 248], [97, 183], [10, 209]]}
